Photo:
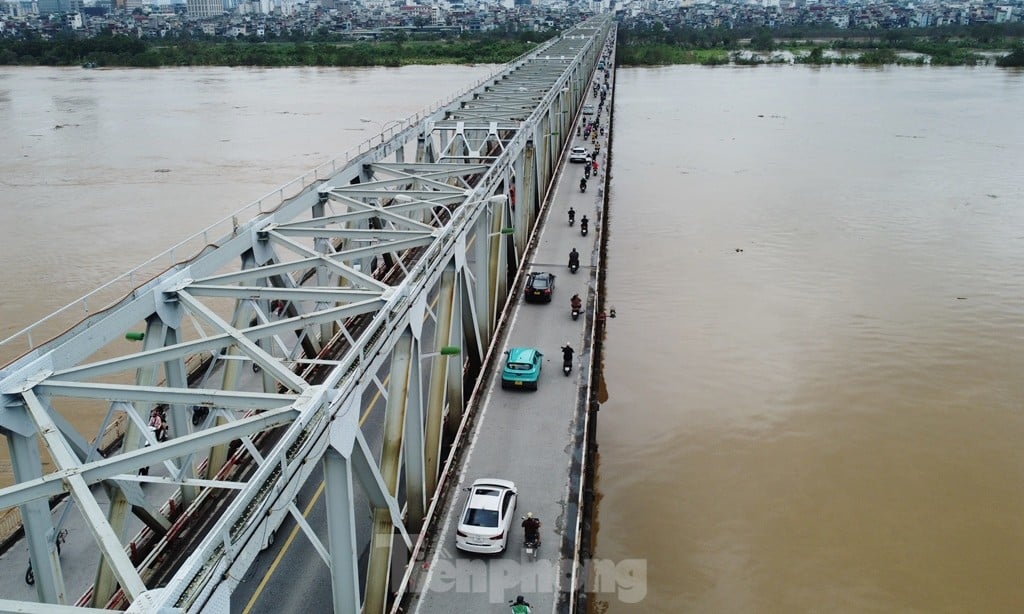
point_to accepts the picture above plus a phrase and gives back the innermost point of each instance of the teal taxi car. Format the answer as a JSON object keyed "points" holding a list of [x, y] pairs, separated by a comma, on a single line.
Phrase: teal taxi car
{"points": [[522, 368]]}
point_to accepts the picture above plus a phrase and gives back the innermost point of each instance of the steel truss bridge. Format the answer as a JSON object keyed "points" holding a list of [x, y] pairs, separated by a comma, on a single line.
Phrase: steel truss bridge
{"points": [[389, 266]]}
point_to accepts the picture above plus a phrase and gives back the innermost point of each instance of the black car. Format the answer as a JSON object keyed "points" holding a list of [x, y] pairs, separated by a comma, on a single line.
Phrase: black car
{"points": [[539, 287]]}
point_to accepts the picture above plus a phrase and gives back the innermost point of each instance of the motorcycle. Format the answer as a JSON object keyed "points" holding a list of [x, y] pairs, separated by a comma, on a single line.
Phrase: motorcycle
{"points": [[567, 360], [583, 227], [30, 575], [574, 266], [583, 184], [530, 546], [577, 307], [586, 172], [572, 217]]}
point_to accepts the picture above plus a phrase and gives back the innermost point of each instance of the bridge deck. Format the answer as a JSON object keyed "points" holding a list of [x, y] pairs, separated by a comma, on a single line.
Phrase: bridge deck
{"points": [[531, 438]]}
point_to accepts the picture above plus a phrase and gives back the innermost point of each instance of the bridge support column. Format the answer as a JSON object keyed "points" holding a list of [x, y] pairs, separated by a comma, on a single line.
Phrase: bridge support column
{"points": [[322, 246], [484, 315], [526, 196], [412, 452], [35, 515], [467, 331], [425, 150], [497, 261], [379, 564], [176, 378], [341, 523], [105, 582], [446, 334], [547, 148]]}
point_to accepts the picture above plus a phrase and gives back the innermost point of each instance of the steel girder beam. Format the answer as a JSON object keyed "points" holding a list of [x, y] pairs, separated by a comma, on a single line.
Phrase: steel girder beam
{"points": [[124, 465], [497, 263], [341, 524], [350, 456], [177, 378], [483, 307], [105, 536], [447, 334], [106, 582], [158, 394], [322, 245], [401, 397], [23, 607], [526, 193], [464, 318], [35, 514]]}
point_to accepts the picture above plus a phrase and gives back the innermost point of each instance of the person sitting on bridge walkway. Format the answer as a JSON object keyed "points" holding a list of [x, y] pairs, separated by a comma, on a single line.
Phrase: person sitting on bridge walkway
{"points": [[157, 425]]}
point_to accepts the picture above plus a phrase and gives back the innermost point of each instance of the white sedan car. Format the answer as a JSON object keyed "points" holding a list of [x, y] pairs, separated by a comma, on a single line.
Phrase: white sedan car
{"points": [[579, 154], [486, 521]]}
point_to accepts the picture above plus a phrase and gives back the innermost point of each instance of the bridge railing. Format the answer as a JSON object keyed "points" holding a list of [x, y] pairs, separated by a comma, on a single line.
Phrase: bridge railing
{"points": [[51, 326]]}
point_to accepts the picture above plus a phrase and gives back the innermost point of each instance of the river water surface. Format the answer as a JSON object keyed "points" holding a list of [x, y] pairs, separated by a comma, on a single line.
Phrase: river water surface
{"points": [[815, 372]]}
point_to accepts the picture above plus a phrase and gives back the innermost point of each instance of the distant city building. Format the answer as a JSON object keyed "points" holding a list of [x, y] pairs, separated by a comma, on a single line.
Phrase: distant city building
{"points": [[205, 8], [52, 6]]}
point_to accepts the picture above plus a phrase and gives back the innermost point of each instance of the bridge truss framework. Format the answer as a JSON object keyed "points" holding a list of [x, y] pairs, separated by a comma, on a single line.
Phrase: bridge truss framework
{"points": [[405, 265]]}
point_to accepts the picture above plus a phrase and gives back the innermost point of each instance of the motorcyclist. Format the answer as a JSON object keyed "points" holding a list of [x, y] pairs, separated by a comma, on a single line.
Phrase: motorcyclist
{"points": [[574, 257], [584, 222], [520, 606], [531, 529], [583, 184], [567, 353], [572, 215], [576, 302], [586, 171]]}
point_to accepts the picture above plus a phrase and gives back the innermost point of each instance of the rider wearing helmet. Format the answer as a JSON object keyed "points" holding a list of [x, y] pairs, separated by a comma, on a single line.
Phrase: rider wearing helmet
{"points": [[531, 528]]}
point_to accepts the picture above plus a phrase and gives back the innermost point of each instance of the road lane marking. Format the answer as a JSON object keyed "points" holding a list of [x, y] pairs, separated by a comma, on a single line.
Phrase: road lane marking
{"points": [[305, 514], [316, 497]]}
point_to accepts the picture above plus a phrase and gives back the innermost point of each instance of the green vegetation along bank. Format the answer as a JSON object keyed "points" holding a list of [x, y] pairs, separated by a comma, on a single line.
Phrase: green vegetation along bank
{"points": [[1002, 45], [103, 51]]}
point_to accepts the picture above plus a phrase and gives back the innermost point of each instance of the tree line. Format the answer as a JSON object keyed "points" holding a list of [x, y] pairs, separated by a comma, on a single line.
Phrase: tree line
{"points": [[125, 51], [655, 44], [637, 46]]}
